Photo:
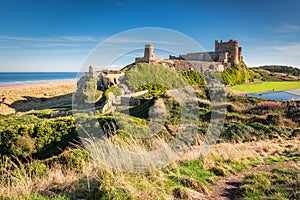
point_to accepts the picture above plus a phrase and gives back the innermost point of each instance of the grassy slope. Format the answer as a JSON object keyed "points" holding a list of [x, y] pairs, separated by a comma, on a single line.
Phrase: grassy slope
{"points": [[177, 180], [266, 86], [94, 181]]}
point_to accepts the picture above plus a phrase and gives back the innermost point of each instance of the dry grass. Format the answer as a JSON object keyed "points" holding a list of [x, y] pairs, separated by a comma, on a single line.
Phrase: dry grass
{"points": [[270, 105], [120, 185], [237, 107], [248, 150], [17, 183]]}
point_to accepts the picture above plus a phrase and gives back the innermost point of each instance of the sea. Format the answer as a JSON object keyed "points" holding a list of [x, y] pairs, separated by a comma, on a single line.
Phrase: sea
{"points": [[21, 77]]}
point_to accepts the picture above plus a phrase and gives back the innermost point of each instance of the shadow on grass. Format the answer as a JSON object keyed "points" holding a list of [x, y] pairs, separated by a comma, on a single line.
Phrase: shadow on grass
{"points": [[33, 103], [232, 192]]}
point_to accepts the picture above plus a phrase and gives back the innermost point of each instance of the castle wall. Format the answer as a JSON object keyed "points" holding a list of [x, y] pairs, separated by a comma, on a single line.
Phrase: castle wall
{"points": [[200, 56], [200, 66]]}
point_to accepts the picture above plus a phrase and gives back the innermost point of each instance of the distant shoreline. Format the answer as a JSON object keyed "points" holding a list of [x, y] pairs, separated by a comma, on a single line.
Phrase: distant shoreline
{"points": [[29, 84]]}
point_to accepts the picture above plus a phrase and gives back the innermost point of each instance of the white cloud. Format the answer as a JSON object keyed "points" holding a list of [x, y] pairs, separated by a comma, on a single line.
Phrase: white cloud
{"points": [[50, 39], [292, 48], [46, 44], [126, 40], [287, 28]]}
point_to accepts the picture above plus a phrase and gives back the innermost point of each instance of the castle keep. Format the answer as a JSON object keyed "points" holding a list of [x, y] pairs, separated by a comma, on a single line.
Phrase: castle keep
{"points": [[231, 48], [228, 53]]}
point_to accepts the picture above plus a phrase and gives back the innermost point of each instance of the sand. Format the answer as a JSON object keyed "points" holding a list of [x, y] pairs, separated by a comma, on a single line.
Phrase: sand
{"points": [[22, 97]]}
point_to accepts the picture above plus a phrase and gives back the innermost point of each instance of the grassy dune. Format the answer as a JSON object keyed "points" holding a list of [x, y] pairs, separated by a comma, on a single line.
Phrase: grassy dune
{"points": [[266, 86]]}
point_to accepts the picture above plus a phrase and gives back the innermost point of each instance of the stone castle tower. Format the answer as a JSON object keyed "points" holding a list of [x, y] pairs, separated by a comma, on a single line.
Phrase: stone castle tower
{"points": [[149, 52], [232, 47]]}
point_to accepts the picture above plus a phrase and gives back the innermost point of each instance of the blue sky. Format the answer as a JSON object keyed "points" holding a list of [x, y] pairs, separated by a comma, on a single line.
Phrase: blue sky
{"points": [[58, 35]]}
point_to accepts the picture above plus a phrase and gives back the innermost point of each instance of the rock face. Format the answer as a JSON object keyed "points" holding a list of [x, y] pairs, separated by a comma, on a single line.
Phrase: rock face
{"points": [[158, 110], [86, 86]]}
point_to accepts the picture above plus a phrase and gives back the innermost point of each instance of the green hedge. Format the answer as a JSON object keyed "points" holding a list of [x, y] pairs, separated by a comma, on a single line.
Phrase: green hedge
{"points": [[36, 138]]}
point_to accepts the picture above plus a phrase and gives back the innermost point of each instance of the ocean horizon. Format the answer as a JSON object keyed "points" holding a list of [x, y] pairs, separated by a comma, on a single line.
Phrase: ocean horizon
{"points": [[23, 77]]}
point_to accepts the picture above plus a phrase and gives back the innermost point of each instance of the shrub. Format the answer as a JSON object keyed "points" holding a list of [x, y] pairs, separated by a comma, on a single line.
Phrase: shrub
{"points": [[237, 132], [75, 159], [194, 78], [25, 146], [36, 138], [237, 74], [153, 89], [273, 119], [114, 89], [37, 168]]}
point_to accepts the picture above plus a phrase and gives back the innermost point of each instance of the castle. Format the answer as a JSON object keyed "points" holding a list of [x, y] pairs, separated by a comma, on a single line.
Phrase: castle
{"points": [[226, 54]]}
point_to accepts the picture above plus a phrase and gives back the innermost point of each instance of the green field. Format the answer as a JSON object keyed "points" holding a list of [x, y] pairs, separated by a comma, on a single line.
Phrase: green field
{"points": [[266, 86]]}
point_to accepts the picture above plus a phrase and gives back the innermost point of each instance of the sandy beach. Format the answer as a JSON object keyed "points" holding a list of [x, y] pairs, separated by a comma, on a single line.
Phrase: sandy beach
{"points": [[22, 97]]}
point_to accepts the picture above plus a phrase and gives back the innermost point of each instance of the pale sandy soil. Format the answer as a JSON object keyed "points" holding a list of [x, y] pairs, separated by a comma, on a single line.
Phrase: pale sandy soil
{"points": [[21, 97]]}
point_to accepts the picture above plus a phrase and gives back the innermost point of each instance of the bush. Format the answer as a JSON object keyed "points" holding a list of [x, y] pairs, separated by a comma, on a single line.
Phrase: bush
{"points": [[114, 89], [194, 78], [273, 119], [153, 89], [75, 159], [37, 139], [237, 132], [237, 74], [37, 168]]}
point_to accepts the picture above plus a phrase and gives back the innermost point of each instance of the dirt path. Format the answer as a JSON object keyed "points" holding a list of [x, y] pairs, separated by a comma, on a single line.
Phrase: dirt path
{"points": [[228, 187]]}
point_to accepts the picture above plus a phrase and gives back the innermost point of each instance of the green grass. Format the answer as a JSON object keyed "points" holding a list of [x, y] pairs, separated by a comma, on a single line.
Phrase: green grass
{"points": [[279, 183], [266, 86]]}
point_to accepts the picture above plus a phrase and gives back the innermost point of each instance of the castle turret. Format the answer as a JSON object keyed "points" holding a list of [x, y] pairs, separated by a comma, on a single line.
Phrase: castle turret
{"points": [[235, 52], [240, 54], [149, 52]]}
